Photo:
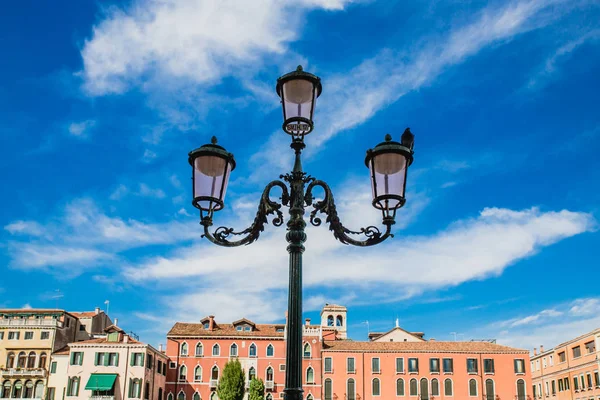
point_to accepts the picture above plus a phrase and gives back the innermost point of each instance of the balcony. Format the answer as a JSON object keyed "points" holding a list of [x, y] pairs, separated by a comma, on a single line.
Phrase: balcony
{"points": [[213, 383], [102, 397], [51, 323], [269, 385], [22, 372]]}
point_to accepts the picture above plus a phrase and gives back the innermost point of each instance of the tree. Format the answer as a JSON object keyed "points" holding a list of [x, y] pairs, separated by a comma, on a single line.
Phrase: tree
{"points": [[231, 384], [257, 389]]}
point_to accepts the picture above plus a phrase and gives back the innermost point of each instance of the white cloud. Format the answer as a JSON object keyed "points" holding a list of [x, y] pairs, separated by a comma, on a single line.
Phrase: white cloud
{"points": [[31, 228], [532, 319], [26, 306], [81, 129], [148, 156], [585, 307], [119, 192], [147, 191], [212, 40]]}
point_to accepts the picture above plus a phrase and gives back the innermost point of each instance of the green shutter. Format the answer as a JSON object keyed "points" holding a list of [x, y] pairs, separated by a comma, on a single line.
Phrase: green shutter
{"points": [[78, 382], [116, 359], [131, 361], [105, 359], [69, 387], [142, 363], [96, 357], [139, 388], [80, 362], [72, 361], [130, 388]]}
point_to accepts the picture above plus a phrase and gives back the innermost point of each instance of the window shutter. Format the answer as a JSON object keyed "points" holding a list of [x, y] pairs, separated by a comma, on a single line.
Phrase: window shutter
{"points": [[142, 363], [77, 387], [139, 387], [116, 359], [72, 362], [96, 358], [131, 360], [80, 363], [105, 359], [69, 387], [130, 391]]}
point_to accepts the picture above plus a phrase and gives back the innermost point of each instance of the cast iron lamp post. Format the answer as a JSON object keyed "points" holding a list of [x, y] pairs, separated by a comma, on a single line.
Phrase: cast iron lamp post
{"points": [[211, 165]]}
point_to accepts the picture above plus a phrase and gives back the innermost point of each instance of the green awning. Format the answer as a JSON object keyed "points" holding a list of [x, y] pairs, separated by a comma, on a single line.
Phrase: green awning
{"points": [[101, 382]]}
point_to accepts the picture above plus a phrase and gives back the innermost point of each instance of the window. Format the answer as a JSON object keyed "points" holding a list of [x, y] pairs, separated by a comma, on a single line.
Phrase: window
{"points": [[77, 358], [196, 396], [22, 360], [562, 357], [282, 367], [375, 365], [252, 350], [328, 390], [53, 367], [582, 382], [488, 365], [5, 392], [490, 393], [28, 335], [1, 335], [72, 387], [82, 328], [310, 375], [554, 388], [472, 365], [239, 328], [31, 360], [181, 395], [590, 347], [561, 385], [575, 383], [100, 359], [42, 360], [330, 320], [413, 365], [172, 365], [149, 361], [198, 374], [160, 393], [216, 350], [17, 389], [199, 350], [400, 387], [170, 396], [146, 390], [544, 362], [184, 349], [434, 365], [597, 378], [214, 373], [233, 350], [350, 390], [576, 351], [339, 321], [51, 393], [435, 387], [551, 358], [448, 365], [10, 360], [519, 366], [589, 380], [206, 325], [547, 388], [251, 373], [214, 396], [270, 350], [159, 366], [376, 387], [399, 365], [472, 387], [28, 390], [137, 360], [350, 365], [328, 364], [135, 388], [182, 373], [521, 390], [413, 387], [13, 335], [306, 350], [448, 388], [269, 374]]}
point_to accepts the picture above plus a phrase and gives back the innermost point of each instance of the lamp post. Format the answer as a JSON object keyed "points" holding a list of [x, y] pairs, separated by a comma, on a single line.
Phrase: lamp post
{"points": [[212, 165]]}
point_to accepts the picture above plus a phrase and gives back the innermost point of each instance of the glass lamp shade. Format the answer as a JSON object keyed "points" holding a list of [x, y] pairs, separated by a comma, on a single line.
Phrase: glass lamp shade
{"points": [[211, 167], [388, 163], [298, 91]]}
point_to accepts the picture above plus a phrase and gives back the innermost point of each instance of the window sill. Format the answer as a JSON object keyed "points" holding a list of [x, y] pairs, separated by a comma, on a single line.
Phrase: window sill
{"points": [[351, 372], [489, 373], [473, 373], [400, 372], [376, 372], [448, 373], [520, 373], [414, 373]]}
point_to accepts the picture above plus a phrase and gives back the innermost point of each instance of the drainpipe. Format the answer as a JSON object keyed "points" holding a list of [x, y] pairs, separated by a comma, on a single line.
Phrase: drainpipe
{"points": [[480, 373], [127, 361]]}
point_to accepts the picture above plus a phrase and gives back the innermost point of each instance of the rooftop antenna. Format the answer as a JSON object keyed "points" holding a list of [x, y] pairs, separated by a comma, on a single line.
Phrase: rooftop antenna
{"points": [[107, 305], [397, 322], [368, 329], [57, 296]]}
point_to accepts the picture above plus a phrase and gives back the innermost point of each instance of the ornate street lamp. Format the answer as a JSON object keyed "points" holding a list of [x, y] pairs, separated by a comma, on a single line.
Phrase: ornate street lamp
{"points": [[388, 164]]}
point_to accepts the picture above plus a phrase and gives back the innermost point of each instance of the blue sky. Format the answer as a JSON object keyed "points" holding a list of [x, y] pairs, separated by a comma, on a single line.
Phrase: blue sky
{"points": [[101, 101]]}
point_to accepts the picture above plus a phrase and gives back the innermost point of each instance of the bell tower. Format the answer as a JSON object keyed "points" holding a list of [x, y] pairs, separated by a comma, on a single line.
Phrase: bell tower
{"points": [[335, 316]]}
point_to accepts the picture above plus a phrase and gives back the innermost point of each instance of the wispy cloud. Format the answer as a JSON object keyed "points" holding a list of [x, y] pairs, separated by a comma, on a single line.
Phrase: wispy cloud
{"points": [[144, 190], [81, 129]]}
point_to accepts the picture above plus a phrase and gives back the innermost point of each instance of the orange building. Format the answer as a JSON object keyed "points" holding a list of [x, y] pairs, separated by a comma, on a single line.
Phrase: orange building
{"points": [[568, 371], [394, 365]]}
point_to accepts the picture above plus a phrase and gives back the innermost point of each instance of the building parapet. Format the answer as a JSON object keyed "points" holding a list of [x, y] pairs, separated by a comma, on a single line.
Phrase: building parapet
{"points": [[10, 322], [21, 372], [311, 331]]}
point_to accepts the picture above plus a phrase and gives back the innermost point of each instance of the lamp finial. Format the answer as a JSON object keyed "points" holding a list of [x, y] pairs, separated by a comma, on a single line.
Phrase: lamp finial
{"points": [[388, 137], [299, 68], [213, 140]]}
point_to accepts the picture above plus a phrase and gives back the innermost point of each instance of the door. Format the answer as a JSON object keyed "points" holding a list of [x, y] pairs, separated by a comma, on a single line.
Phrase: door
{"points": [[424, 389], [489, 390]]}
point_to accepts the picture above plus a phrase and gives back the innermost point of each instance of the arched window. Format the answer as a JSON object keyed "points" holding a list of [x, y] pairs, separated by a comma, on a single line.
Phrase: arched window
{"points": [[42, 362], [22, 360], [252, 350], [435, 387], [269, 374], [198, 374], [73, 386], [351, 390], [489, 390], [339, 321], [39, 390], [28, 394], [251, 374], [309, 397], [269, 397], [521, 389], [330, 320], [199, 350], [306, 351], [184, 351], [472, 387], [328, 389], [214, 396], [216, 350], [413, 387], [376, 387], [214, 373], [170, 396], [233, 350], [448, 387], [196, 396], [400, 387], [160, 394], [181, 395], [17, 389], [310, 375], [270, 350], [31, 360], [182, 374], [424, 389], [10, 360], [5, 390]]}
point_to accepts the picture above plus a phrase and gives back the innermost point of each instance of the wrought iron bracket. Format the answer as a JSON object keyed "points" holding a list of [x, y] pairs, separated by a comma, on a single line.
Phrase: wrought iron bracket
{"points": [[340, 232], [266, 207]]}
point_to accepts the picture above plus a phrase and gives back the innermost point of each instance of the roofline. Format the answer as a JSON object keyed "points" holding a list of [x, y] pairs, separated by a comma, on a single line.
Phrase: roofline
{"points": [[222, 337], [518, 351]]}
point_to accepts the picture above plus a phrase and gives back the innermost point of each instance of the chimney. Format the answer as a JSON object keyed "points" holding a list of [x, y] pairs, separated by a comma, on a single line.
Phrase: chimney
{"points": [[211, 322], [97, 310], [541, 348], [535, 351], [116, 323], [160, 348], [307, 321], [125, 338]]}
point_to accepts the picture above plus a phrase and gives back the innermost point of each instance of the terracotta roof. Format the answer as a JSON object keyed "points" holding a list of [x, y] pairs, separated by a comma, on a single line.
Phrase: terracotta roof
{"points": [[243, 321], [62, 351], [85, 314], [439, 347], [188, 329]]}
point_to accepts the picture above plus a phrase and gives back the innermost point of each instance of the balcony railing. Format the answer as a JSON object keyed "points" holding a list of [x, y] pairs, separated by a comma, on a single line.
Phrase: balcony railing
{"points": [[214, 383], [269, 385], [30, 322], [37, 373], [102, 397]]}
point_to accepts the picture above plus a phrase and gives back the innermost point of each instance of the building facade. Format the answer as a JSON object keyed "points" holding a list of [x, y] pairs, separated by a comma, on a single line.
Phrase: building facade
{"points": [[28, 337], [112, 367], [569, 371], [393, 365]]}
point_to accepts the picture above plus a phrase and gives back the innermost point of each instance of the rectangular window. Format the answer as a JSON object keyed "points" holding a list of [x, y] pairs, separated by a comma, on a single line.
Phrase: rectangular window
{"points": [[328, 364], [172, 365], [77, 358], [51, 393], [575, 383], [399, 365], [282, 367], [137, 359], [589, 380], [562, 357], [561, 385], [551, 360], [375, 365], [519, 366], [82, 328], [590, 347], [1, 335], [434, 365], [534, 391], [582, 382], [566, 384], [576, 351], [350, 364], [13, 335], [554, 388], [113, 359], [159, 366], [488, 365], [413, 365], [101, 359], [597, 378], [28, 335], [472, 365], [53, 367], [448, 365]]}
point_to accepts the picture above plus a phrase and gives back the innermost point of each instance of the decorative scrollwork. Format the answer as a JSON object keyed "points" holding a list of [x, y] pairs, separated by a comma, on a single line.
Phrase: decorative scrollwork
{"points": [[266, 207], [327, 206]]}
